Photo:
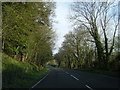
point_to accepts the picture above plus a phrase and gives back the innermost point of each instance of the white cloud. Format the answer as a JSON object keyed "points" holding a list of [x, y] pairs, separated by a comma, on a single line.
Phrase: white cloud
{"points": [[62, 27]]}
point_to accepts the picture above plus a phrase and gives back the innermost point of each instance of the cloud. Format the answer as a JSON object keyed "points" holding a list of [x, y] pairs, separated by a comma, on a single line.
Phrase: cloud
{"points": [[62, 27]]}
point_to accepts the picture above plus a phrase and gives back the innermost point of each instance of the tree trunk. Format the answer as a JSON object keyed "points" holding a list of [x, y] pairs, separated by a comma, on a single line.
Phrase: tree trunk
{"points": [[15, 56], [100, 51], [106, 49], [3, 44], [22, 58], [59, 63]]}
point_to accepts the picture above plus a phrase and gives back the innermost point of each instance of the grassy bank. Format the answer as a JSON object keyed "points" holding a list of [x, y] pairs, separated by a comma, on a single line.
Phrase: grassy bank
{"points": [[105, 72], [20, 75]]}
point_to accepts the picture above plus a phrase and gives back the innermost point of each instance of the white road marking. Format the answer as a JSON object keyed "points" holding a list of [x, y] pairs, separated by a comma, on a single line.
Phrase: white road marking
{"points": [[74, 77], [66, 72], [89, 87], [39, 81]]}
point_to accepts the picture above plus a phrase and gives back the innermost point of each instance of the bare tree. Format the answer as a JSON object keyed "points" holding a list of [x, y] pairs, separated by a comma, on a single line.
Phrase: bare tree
{"points": [[96, 17]]}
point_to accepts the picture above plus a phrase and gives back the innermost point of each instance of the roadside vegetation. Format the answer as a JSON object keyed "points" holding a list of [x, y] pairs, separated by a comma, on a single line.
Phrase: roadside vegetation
{"points": [[53, 63], [20, 75], [93, 44], [109, 73], [99, 71], [27, 42]]}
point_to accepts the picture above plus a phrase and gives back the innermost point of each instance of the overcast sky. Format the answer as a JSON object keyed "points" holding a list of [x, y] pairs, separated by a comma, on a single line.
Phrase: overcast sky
{"points": [[63, 26]]}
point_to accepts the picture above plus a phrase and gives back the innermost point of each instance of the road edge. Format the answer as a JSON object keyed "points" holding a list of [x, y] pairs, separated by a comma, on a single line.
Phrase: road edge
{"points": [[39, 81]]}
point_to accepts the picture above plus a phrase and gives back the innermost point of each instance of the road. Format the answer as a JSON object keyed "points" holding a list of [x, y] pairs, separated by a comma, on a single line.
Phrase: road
{"points": [[61, 78]]}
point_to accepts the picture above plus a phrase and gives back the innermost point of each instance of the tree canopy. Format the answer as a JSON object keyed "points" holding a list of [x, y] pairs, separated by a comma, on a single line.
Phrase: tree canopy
{"points": [[90, 45], [27, 31]]}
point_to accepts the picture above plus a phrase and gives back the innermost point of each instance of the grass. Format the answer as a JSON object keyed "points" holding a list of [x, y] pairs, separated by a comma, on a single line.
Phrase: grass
{"points": [[20, 75], [105, 72], [112, 73]]}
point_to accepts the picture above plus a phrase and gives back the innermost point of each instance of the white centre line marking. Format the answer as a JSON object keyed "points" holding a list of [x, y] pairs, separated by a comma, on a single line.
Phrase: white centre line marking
{"points": [[39, 81], [89, 87], [74, 77], [66, 72]]}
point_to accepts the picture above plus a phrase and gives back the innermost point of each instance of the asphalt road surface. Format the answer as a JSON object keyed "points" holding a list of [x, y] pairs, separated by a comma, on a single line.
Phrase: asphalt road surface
{"points": [[61, 78]]}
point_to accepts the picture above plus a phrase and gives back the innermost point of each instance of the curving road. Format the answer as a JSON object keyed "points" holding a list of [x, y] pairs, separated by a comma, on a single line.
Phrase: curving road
{"points": [[61, 78]]}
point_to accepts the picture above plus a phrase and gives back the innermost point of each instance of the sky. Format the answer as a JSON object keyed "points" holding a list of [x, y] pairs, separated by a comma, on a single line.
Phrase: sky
{"points": [[62, 26]]}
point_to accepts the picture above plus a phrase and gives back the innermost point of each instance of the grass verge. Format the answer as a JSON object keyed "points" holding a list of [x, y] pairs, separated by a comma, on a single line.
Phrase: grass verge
{"points": [[20, 75], [104, 72], [93, 70]]}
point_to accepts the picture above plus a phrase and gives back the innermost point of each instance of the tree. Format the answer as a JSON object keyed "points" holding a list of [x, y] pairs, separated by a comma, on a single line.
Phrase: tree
{"points": [[76, 49], [27, 31], [96, 17], [59, 57]]}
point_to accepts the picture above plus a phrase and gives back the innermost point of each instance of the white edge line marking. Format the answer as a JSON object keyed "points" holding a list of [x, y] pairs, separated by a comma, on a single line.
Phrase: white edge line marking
{"points": [[39, 81], [89, 87], [74, 77]]}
